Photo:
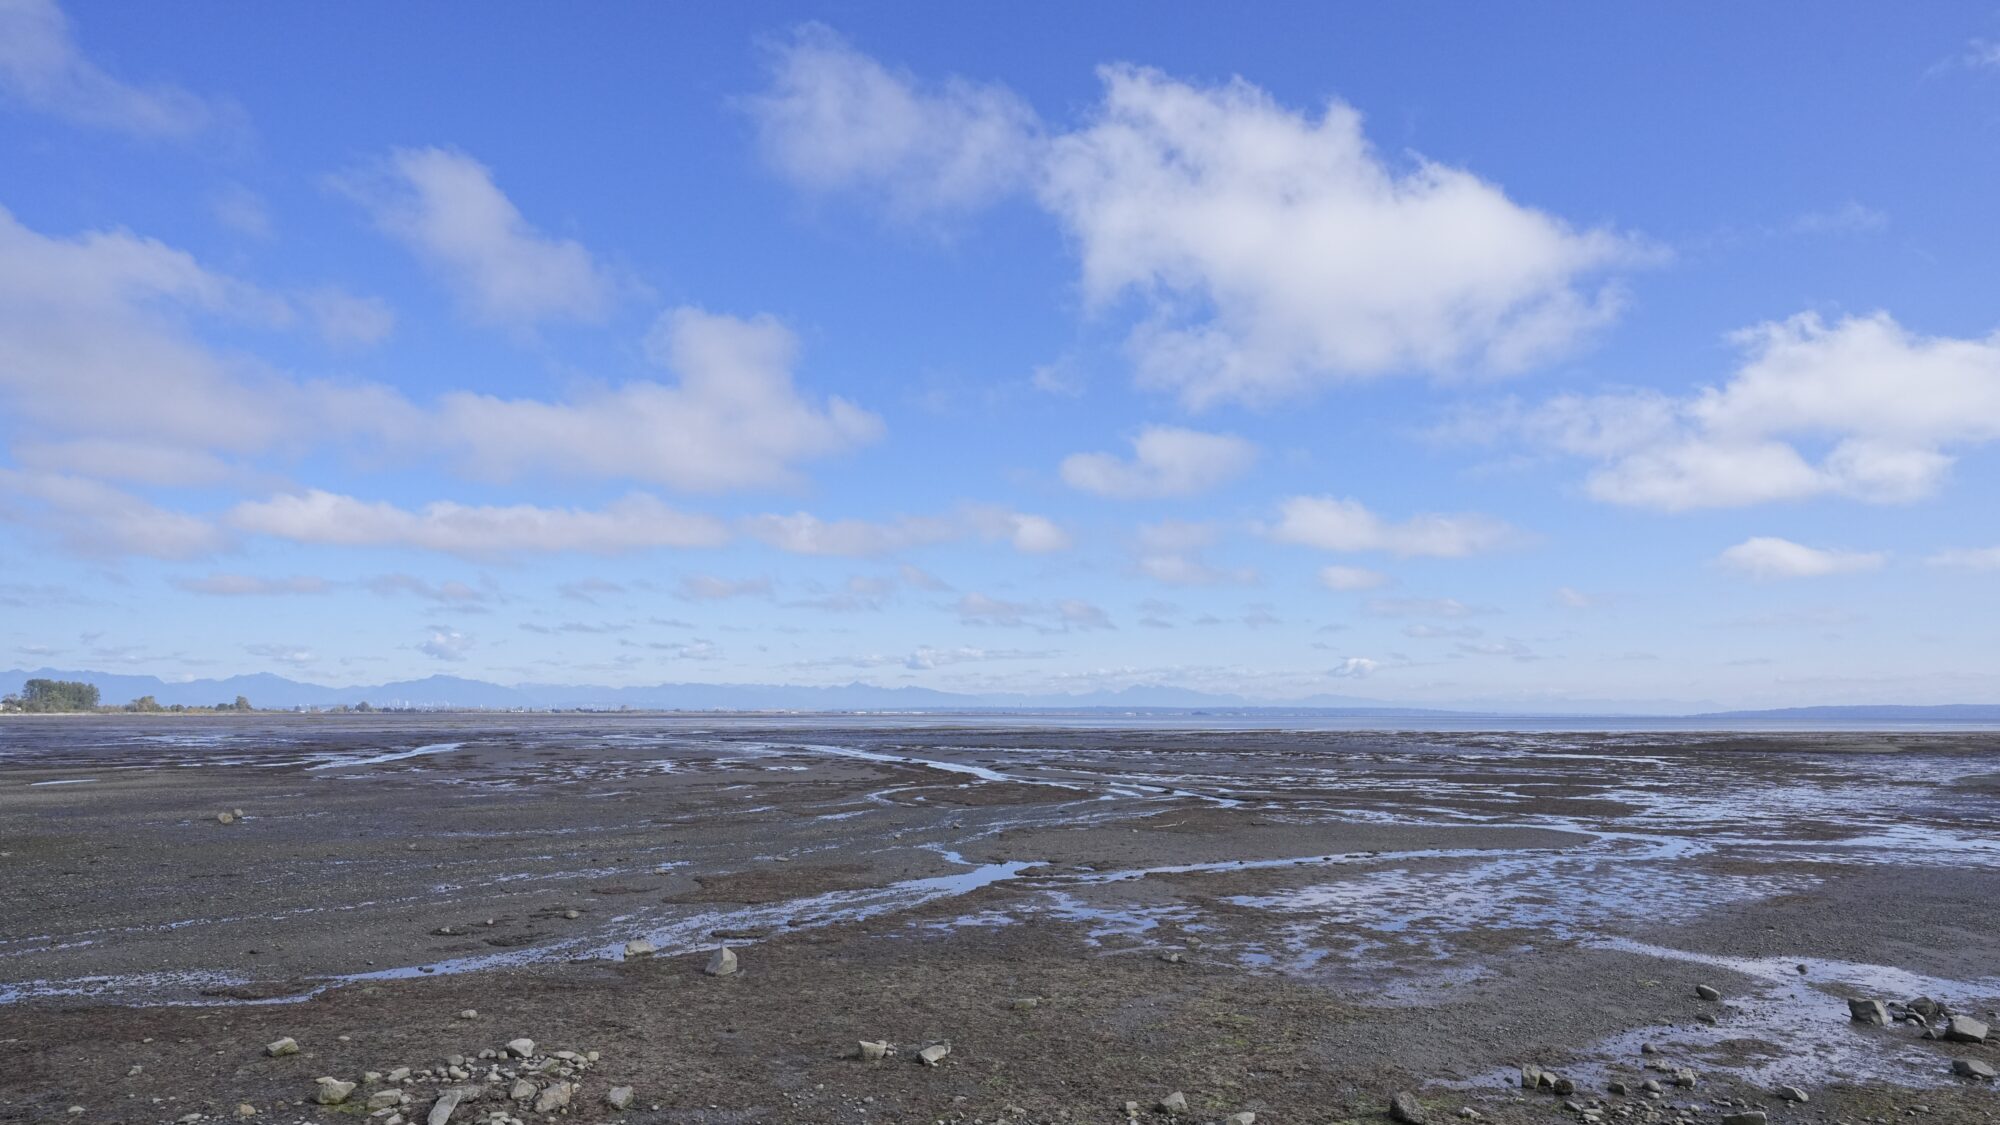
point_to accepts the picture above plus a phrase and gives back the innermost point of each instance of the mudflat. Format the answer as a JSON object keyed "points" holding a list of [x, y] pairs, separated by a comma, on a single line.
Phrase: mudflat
{"points": [[1294, 924]]}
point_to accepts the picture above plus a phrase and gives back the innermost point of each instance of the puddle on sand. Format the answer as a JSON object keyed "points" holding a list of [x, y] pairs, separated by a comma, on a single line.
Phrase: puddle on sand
{"points": [[345, 761]]}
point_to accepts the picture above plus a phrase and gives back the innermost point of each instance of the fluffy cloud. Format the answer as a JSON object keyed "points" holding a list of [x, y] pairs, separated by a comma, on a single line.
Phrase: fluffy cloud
{"points": [[1351, 578], [1166, 461], [834, 119], [735, 417], [634, 523], [1771, 557], [93, 518], [445, 644], [41, 66], [1333, 524], [1963, 558], [1279, 249], [1355, 668], [446, 208], [1861, 408]]}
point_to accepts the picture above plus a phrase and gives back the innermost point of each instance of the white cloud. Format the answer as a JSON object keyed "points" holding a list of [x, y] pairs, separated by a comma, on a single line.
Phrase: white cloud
{"points": [[1169, 553], [636, 522], [446, 644], [1279, 250], [1028, 534], [247, 585], [1569, 597], [805, 534], [736, 419], [1333, 524], [1166, 461], [445, 206], [1964, 558], [348, 321], [1049, 617], [835, 120], [1355, 668], [1887, 407], [93, 518], [709, 588], [295, 655], [1351, 578], [42, 67], [1770, 557], [1848, 218], [1422, 607], [449, 592]]}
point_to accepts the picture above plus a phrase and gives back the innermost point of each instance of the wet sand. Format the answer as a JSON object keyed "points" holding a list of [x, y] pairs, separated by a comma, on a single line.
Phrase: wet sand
{"points": [[1352, 914]]}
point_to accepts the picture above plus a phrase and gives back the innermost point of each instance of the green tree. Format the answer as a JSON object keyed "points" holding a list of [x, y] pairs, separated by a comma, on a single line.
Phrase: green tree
{"points": [[58, 695], [144, 703], [243, 703]]}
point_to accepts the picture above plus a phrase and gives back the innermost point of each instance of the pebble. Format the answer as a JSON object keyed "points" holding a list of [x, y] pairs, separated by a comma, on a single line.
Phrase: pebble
{"points": [[1026, 1004], [225, 818], [282, 1047], [721, 963], [469, 1014], [572, 916], [1171, 957]]}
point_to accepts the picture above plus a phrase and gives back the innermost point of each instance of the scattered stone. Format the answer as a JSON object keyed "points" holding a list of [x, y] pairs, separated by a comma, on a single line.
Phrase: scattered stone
{"points": [[1793, 1094], [469, 1014], [1171, 957], [400, 1074], [722, 962], [1565, 1087], [331, 1091], [1747, 1117], [1531, 1076], [1868, 1011], [555, 1097], [875, 1050], [1405, 1108], [76, 1111], [1707, 992], [282, 1047], [1926, 1008], [1802, 970], [1965, 1029], [572, 915], [618, 1097], [135, 1071], [1973, 1068], [245, 1109], [636, 949], [522, 1090], [1244, 1118], [383, 1099], [441, 1108], [1618, 1086], [1026, 1004], [521, 1048], [1175, 1102], [1650, 1085], [225, 818], [934, 1054]]}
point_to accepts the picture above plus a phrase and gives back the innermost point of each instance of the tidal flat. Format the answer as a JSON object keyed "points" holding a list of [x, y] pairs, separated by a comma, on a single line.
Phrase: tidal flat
{"points": [[1293, 924]]}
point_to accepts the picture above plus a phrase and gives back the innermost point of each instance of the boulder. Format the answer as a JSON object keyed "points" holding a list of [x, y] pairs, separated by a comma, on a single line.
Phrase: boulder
{"points": [[637, 949], [441, 1108], [282, 1047], [1973, 1068], [721, 963], [1404, 1107], [521, 1048], [1685, 1078], [1868, 1011], [555, 1096], [1965, 1029]]}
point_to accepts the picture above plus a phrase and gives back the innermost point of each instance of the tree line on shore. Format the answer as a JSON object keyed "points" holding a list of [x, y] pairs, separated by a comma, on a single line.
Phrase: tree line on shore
{"points": [[45, 697]]}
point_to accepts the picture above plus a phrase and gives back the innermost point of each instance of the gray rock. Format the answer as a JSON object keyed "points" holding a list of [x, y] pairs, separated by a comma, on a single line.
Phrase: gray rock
{"points": [[1707, 992], [1685, 1078], [1747, 1117], [400, 1074], [383, 1099], [1973, 1068], [1405, 1108], [555, 1096], [637, 949], [225, 818], [1171, 957], [331, 1091], [1531, 1076], [521, 1048], [1965, 1029], [469, 1014], [1175, 1102], [1868, 1011], [1792, 1094], [721, 963], [521, 1091], [874, 1050], [1565, 1087], [618, 1097], [934, 1054], [1617, 1086], [441, 1108], [1026, 1004], [1244, 1118], [282, 1047]]}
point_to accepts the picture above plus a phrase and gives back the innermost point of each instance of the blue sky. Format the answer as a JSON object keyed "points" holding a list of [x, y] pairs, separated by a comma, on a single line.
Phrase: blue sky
{"points": [[1443, 354]]}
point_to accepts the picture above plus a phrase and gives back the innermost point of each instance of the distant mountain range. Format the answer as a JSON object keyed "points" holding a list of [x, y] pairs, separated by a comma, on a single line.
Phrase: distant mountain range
{"points": [[269, 691]]}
